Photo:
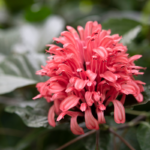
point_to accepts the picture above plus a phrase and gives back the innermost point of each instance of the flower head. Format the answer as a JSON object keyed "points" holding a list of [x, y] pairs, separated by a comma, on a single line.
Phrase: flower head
{"points": [[91, 70]]}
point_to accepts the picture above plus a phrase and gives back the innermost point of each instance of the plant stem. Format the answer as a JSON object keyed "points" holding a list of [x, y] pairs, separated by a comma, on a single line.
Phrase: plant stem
{"points": [[76, 139], [122, 139], [114, 142], [97, 140]]}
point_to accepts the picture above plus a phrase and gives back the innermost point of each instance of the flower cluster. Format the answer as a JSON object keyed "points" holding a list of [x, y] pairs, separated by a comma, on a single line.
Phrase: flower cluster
{"points": [[88, 72]]}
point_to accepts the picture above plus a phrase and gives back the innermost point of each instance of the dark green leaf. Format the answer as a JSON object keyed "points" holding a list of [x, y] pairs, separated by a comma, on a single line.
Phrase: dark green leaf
{"points": [[104, 140], [37, 13], [32, 114], [59, 137], [28, 139], [143, 136], [90, 142], [17, 5], [130, 136]]}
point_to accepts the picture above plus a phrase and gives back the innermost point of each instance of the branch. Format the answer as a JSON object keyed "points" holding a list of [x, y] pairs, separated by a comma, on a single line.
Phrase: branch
{"points": [[135, 112], [76, 139], [126, 125], [122, 139], [134, 122], [97, 140]]}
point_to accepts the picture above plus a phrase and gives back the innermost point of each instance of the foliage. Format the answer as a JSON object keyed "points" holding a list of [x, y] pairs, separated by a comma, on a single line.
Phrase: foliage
{"points": [[26, 26]]}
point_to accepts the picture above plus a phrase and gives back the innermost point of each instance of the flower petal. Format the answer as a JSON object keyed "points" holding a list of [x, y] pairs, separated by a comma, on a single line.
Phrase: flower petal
{"points": [[139, 97], [60, 95], [96, 96], [101, 118], [119, 112], [88, 98], [80, 84], [55, 87], [90, 121], [109, 76], [102, 107], [51, 116], [56, 106], [102, 52], [75, 128], [83, 106], [38, 96], [69, 102], [135, 57], [123, 99], [91, 75], [128, 89]]}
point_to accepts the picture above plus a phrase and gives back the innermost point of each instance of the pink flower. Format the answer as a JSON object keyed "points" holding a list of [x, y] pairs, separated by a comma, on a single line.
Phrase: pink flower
{"points": [[91, 70]]}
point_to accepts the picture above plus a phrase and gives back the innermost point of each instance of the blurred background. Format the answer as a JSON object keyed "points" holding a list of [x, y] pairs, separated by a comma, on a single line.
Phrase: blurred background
{"points": [[26, 26]]}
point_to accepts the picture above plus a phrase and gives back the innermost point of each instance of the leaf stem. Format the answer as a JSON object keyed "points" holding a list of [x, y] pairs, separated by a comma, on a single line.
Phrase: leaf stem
{"points": [[76, 139], [122, 139], [134, 122], [97, 140], [135, 112]]}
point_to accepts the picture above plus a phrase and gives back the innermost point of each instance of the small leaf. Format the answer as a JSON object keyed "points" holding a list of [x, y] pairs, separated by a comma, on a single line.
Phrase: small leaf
{"points": [[143, 136], [37, 13]]}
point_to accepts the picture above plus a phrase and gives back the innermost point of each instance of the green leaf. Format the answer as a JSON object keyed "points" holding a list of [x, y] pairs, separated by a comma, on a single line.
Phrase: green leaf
{"points": [[130, 136], [143, 136], [146, 93], [32, 114], [29, 138], [58, 137], [90, 142], [19, 70], [126, 28], [104, 140]]}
